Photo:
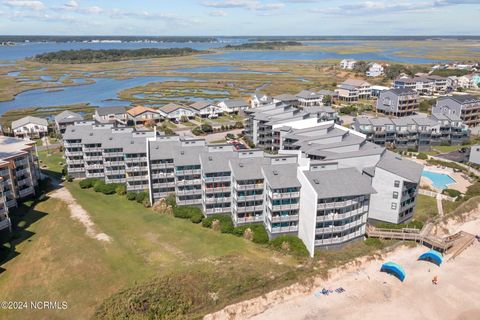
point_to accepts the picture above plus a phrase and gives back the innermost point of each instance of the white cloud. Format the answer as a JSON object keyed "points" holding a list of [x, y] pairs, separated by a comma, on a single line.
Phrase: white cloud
{"points": [[246, 4], [28, 4], [217, 13]]}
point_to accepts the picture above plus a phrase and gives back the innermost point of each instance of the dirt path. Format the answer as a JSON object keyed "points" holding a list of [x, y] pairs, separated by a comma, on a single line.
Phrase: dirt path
{"points": [[371, 294], [79, 214]]}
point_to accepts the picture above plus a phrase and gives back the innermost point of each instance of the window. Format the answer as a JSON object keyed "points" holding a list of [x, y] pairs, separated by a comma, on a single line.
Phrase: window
{"points": [[394, 206], [396, 184], [395, 195]]}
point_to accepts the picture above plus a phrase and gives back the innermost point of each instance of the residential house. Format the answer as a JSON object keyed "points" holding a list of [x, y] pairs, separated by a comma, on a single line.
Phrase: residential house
{"points": [[142, 115], [374, 70], [307, 98], [439, 83], [66, 118], [467, 107], [348, 64], [233, 106], [258, 100], [286, 98], [112, 115], [30, 127], [421, 85], [377, 89], [206, 109], [175, 112], [397, 102], [353, 90]]}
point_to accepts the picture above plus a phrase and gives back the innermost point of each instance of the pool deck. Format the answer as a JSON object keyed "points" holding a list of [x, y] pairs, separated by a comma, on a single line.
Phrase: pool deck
{"points": [[461, 183]]}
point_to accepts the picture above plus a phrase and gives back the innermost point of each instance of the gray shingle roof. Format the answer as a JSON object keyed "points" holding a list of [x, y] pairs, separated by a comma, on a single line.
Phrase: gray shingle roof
{"points": [[235, 103], [104, 111], [168, 108], [247, 168], [281, 175], [199, 105], [68, 116], [216, 161], [29, 119], [404, 168], [339, 183]]}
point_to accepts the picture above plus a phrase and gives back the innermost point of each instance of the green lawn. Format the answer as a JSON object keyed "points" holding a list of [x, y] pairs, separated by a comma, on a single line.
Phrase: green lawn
{"points": [[426, 208], [51, 161]]}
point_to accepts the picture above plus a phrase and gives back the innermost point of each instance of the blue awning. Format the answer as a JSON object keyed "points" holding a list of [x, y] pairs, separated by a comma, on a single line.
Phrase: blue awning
{"points": [[432, 256], [395, 269]]}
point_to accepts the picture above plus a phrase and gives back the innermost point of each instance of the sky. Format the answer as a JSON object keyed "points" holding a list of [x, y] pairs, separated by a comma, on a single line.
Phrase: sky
{"points": [[239, 17]]}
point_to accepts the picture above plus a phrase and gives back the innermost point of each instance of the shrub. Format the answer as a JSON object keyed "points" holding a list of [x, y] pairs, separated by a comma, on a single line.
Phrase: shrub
{"points": [[238, 125], [374, 242], [294, 244], [121, 189], [171, 200], [226, 224], [69, 178], [451, 192], [197, 217], [258, 231], [139, 197], [229, 136], [206, 128], [422, 156], [131, 196], [88, 183], [146, 202], [98, 185], [197, 131], [108, 188]]}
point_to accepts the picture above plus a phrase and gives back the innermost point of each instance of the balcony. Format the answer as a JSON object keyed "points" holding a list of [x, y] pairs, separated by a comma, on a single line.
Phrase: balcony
{"points": [[256, 186], [283, 195], [113, 154], [137, 159], [22, 162], [94, 166], [140, 187], [137, 178], [81, 161], [24, 182], [74, 153], [163, 185], [188, 182], [345, 227], [114, 180], [4, 222], [92, 149], [111, 172], [217, 179], [188, 172], [135, 169], [217, 210], [4, 172], [338, 240], [340, 204], [93, 158], [217, 199], [22, 172], [114, 163], [282, 229], [341, 216], [188, 192], [11, 203], [71, 170], [72, 144], [253, 219], [247, 209], [248, 198], [283, 207], [218, 189], [188, 202], [95, 174], [292, 217], [26, 192], [160, 175], [162, 165]]}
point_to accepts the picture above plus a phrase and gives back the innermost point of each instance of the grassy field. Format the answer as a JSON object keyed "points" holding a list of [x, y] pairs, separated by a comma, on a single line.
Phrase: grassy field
{"points": [[426, 208]]}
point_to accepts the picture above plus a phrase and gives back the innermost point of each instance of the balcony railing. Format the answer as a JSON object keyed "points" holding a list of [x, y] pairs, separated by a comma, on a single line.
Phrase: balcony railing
{"points": [[92, 149], [162, 175], [340, 204], [93, 158], [162, 165], [137, 159], [341, 216], [256, 186], [75, 170], [248, 209], [187, 172], [338, 240], [248, 198], [190, 201], [217, 210], [188, 192], [341, 228], [218, 189], [189, 182], [163, 185], [282, 229], [282, 207], [74, 153], [216, 179], [252, 219], [95, 174], [292, 217], [26, 192], [217, 199], [283, 195]]}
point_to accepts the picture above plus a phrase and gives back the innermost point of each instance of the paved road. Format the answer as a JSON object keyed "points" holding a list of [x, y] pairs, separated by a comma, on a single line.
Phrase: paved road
{"points": [[221, 135]]}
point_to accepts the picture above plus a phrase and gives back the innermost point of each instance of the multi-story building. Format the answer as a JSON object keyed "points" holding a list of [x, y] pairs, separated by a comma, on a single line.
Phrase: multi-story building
{"points": [[354, 89], [286, 98], [414, 132], [398, 102], [30, 127], [323, 113], [439, 83], [66, 118], [258, 100], [467, 107], [322, 185], [19, 174], [421, 85]]}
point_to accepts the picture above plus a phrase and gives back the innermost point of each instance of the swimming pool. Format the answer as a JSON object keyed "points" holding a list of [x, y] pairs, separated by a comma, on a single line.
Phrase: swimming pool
{"points": [[439, 180]]}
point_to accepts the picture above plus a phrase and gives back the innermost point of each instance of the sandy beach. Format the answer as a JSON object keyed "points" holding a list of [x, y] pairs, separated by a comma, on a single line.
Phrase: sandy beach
{"points": [[371, 294]]}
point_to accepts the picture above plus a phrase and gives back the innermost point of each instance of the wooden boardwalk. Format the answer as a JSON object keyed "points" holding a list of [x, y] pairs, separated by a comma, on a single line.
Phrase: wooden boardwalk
{"points": [[454, 244]]}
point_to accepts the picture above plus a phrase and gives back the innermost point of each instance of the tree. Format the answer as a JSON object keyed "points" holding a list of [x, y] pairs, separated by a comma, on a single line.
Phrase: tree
{"points": [[327, 100], [150, 123], [361, 67], [184, 119]]}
